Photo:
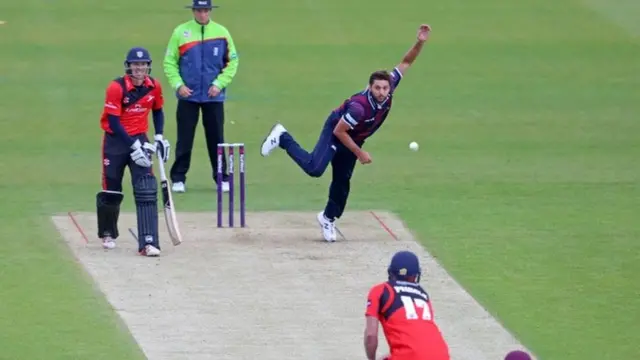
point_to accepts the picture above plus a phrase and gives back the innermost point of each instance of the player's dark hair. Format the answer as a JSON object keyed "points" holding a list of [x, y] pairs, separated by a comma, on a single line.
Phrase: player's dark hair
{"points": [[379, 75]]}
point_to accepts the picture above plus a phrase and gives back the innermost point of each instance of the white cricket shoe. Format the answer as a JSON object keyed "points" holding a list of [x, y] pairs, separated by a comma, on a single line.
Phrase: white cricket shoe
{"points": [[328, 227], [272, 140], [178, 187], [108, 243], [150, 250]]}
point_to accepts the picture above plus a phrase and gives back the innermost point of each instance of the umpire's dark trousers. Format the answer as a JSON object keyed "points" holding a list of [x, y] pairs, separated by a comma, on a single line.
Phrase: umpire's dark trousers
{"points": [[187, 115]]}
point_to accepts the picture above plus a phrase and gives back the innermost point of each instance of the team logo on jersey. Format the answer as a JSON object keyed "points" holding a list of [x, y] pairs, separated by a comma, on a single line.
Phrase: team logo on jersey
{"points": [[136, 109], [187, 34], [106, 162], [125, 100]]}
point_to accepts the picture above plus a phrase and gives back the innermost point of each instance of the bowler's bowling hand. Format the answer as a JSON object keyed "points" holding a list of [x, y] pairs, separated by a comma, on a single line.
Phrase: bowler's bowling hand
{"points": [[423, 32], [184, 91], [364, 157], [214, 91]]}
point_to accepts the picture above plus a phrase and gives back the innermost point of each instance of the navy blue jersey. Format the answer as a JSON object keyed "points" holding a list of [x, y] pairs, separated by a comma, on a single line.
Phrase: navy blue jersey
{"points": [[363, 113]]}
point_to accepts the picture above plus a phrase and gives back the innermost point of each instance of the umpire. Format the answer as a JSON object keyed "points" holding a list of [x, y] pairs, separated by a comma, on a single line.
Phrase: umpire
{"points": [[200, 63]]}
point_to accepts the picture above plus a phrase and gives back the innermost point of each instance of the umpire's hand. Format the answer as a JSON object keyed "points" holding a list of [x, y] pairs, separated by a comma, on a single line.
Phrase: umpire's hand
{"points": [[214, 91], [163, 147], [184, 91]]}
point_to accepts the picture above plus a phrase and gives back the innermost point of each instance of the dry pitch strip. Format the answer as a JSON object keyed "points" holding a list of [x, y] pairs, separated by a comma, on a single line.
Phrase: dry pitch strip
{"points": [[272, 290]]}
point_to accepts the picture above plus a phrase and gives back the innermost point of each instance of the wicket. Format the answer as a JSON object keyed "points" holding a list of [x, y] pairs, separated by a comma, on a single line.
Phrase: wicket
{"points": [[230, 165]]}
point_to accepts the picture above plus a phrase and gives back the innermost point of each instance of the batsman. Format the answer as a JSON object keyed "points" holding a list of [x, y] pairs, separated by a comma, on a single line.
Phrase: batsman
{"points": [[129, 100]]}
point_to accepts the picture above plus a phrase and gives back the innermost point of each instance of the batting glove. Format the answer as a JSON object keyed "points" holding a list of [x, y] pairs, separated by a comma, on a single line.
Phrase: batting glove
{"points": [[163, 147], [141, 153]]}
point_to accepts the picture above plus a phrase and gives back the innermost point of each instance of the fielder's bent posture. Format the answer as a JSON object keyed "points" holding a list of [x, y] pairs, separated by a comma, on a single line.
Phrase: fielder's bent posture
{"points": [[344, 134], [404, 309], [129, 99]]}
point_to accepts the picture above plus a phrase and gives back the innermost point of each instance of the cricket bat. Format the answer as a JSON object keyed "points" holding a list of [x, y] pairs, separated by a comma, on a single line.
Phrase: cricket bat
{"points": [[169, 211]]}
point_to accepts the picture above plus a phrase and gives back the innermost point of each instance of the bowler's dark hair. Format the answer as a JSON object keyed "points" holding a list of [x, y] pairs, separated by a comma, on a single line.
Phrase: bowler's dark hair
{"points": [[379, 75]]}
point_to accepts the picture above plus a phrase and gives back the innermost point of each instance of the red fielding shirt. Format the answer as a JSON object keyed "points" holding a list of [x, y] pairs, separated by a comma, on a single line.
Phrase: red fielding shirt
{"points": [[406, 315]]}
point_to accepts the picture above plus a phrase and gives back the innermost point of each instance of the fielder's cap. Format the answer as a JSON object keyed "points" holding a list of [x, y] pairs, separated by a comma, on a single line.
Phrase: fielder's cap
{"points": [[201, 4], [404, 264]]}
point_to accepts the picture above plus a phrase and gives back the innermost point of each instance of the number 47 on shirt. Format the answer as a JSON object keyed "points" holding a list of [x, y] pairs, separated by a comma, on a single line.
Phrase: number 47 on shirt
{"points": [[411, 306]]}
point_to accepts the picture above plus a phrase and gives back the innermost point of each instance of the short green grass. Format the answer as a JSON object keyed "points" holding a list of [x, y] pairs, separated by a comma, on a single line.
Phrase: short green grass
{"points": [[525, 185]]}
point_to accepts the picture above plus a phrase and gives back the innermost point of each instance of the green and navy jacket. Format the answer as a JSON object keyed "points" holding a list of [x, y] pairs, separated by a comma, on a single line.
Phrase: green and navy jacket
{"points": [[199, 56]]}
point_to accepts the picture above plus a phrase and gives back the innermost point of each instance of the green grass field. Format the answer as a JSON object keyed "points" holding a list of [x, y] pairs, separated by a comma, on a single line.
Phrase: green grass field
{"points": [[526, 184]]}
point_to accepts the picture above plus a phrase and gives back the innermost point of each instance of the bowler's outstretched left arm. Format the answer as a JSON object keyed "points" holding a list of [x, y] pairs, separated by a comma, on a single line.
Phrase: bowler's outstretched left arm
{"points": [[414, 51]]}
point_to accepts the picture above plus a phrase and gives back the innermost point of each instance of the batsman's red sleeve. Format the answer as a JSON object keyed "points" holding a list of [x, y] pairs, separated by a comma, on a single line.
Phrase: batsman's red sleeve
{"points": [[113, 99], [158, 101]]}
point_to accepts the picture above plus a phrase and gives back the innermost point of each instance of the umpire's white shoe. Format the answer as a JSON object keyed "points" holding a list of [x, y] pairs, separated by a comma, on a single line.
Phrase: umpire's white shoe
{"points": [[328, 227], [272, 140], [108, 243], [150, 250], [178, 187]]}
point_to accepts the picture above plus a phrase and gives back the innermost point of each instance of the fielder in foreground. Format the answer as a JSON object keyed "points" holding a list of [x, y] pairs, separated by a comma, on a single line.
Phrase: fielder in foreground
{"points": [[129, 99], [404, 309], [343, 135]]}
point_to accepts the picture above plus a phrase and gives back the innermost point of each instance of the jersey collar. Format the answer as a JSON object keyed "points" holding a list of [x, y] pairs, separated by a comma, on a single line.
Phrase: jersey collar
{"points": [[373, 102]]}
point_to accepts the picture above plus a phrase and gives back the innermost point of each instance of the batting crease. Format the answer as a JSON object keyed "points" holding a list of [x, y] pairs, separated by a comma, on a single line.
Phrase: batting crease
{"points": [[384, 226], [78, 227]]}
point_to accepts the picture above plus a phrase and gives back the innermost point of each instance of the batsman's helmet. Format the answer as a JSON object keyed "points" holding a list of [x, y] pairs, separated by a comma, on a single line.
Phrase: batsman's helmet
{"points": [[404, 266], [137, 54]]}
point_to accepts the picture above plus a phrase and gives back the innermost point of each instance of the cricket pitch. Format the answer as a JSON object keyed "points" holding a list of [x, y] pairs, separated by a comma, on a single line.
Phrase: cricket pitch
{"points": [[273, 290]]}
